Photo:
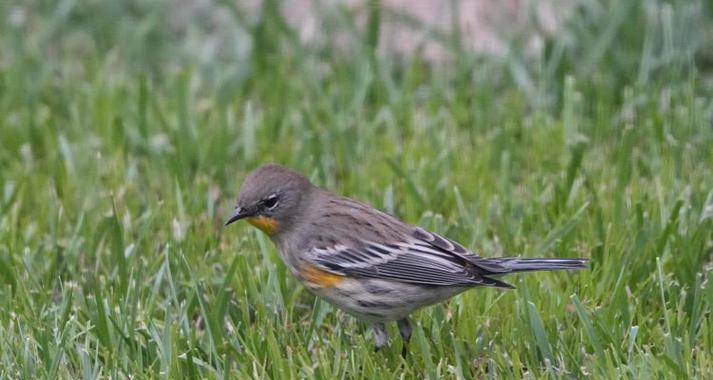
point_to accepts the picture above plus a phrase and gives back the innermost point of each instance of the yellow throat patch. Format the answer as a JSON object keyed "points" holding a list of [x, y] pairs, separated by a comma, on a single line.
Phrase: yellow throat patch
{"points": [[265, 224]]}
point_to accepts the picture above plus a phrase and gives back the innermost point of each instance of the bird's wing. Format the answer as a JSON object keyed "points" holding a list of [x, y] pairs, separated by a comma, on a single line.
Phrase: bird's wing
{"points": [[423, 258]]}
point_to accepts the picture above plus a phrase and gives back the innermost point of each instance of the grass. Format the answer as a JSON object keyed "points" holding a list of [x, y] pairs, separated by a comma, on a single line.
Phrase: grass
{"points": [[121, 150]]}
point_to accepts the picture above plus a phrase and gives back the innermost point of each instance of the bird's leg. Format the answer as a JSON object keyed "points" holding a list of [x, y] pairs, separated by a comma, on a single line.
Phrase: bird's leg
{"points": [[405, 330], [381, 335]]}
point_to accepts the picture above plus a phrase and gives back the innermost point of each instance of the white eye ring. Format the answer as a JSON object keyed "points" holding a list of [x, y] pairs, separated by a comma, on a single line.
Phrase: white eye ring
{"points": [[271, 201]]}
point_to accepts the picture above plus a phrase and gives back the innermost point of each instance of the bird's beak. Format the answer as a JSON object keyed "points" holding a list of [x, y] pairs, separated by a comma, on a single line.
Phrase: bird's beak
{"points": [[237, 214]]}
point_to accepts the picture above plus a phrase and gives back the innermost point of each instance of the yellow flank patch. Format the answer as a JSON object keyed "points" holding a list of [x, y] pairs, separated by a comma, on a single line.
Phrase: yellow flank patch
{"points": [[267, 225], [319, 277]]}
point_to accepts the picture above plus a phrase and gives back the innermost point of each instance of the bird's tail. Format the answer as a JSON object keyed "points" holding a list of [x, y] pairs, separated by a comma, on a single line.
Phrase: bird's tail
{"points": [[493, 268], [503, 265]]}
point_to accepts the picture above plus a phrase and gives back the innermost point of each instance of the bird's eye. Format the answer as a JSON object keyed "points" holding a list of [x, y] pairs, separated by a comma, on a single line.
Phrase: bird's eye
{"points": [[270, 202]]}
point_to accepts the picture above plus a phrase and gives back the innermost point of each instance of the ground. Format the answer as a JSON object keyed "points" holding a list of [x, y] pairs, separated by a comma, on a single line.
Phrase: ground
{"points": [[123, 144]]}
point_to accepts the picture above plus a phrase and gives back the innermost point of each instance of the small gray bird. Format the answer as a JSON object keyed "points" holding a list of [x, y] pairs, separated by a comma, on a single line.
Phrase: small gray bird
{"points": [[364, 261]]}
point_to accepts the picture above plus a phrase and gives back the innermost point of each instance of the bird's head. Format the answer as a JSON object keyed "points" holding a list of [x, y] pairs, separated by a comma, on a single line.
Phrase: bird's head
{"points": [[271, 198]]}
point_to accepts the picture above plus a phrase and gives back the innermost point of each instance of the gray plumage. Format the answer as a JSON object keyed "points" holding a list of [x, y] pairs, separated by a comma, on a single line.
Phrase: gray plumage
{"points": [[363, 260]]}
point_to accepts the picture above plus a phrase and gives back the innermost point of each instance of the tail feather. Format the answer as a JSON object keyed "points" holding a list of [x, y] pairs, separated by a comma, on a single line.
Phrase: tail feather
{"points": [[505, 265], [518, 264]]}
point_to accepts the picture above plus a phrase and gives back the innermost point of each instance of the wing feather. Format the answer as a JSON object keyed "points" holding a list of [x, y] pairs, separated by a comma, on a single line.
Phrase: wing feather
{"points": [[423, 258]]}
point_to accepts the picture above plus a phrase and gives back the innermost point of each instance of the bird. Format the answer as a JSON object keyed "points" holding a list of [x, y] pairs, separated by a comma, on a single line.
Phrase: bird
{"points": [[362, 260]]}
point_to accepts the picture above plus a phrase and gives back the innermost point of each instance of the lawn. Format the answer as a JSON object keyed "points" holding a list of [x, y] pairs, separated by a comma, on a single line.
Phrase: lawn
{"points": [[124, 140]]}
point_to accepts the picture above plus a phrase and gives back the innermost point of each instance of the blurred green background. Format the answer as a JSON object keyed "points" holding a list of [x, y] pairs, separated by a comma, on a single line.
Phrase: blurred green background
{"points": [[127, 127]]}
